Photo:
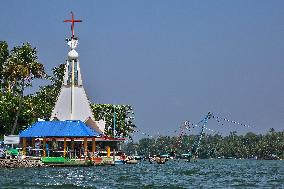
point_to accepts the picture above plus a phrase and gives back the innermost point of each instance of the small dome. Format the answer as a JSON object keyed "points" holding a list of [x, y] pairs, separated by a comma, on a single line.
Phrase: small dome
{"points": [[73, 54]]}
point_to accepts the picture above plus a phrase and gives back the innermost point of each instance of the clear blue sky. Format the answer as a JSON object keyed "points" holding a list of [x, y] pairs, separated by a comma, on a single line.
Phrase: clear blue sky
{"points": [[171, 60]]}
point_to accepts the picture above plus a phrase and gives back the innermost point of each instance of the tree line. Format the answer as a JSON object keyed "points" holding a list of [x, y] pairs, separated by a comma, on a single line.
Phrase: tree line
{"points": [[19, 67], [250, 145]]}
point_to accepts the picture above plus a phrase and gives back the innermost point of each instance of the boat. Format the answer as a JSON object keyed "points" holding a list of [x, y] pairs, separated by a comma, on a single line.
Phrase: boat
{"points": [[118, 158], [61, 161], [132, 161]]}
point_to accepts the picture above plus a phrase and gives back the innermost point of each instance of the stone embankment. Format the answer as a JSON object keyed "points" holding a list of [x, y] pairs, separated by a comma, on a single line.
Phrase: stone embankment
{"points": [[12, 163]]}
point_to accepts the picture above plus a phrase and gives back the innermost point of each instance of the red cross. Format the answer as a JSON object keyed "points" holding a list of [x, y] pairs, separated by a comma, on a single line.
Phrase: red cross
{"points": [[72, 25]]}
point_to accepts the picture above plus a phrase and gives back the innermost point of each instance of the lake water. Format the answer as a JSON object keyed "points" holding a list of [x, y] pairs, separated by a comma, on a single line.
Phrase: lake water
{"points": [[173, 174]]}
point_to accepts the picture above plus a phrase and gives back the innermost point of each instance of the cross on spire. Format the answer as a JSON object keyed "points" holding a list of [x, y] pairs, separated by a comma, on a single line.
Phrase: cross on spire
{"points": [[72, 25]]}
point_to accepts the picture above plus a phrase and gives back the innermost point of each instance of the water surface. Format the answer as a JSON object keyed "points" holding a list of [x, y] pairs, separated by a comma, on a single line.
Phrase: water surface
{"points": [[173, 174]]}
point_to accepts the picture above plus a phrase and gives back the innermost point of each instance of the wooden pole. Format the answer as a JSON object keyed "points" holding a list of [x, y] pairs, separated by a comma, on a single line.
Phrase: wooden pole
{"points": [[65, 145], [108, 151], [94, 145], [33, 142], [113, 155], [85, 146], [24, 146], [73, 146], [44, 147]]}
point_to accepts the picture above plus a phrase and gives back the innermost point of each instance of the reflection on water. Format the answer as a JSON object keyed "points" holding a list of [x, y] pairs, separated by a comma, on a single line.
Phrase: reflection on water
{"points": [[173, 174]]}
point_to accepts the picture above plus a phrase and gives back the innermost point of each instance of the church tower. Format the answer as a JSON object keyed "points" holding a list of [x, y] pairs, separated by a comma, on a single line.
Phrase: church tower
{"points": [[72, 102]]}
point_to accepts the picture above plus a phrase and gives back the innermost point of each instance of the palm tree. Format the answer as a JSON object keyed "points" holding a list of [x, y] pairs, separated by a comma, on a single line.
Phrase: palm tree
{"points": [[21, 68]]}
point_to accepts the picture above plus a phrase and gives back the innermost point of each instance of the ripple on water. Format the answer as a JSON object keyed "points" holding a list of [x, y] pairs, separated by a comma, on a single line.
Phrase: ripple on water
{"points": [[173, 174]]}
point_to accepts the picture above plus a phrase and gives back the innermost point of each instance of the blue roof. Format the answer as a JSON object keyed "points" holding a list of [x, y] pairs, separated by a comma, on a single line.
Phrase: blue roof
{"points": [[69, 128]]}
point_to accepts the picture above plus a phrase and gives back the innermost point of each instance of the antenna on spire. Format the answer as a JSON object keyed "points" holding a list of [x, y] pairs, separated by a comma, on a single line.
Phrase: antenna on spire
{"points": [[72, 23]]}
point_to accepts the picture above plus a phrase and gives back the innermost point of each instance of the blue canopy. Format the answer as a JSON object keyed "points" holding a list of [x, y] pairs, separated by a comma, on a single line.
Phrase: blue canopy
{"points": [[68, 128]]}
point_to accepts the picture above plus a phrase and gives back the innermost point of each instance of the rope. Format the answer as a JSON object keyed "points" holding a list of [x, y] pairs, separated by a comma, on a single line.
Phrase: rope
{"points": [[218, 119]]}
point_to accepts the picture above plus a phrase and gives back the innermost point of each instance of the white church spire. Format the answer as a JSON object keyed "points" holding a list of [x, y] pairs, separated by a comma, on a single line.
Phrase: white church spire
{"points": [[72, 102]]}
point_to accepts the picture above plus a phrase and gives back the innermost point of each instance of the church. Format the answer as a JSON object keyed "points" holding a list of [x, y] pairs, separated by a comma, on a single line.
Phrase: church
{"points": [[72, 126]]}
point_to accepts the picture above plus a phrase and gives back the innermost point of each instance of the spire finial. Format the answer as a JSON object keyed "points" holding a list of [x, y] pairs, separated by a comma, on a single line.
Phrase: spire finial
{"points": [[72, 23]]}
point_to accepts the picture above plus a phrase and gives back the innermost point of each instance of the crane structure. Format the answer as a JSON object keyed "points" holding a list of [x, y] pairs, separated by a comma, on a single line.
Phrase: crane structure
{"points": [[196, 144], [193, 152]]}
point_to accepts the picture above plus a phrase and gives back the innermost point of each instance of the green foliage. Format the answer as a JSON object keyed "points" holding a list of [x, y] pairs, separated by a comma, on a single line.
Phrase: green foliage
{"points": [[4, 54], [8, 109], [123, 121], [269, 146], [20, 67]]}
